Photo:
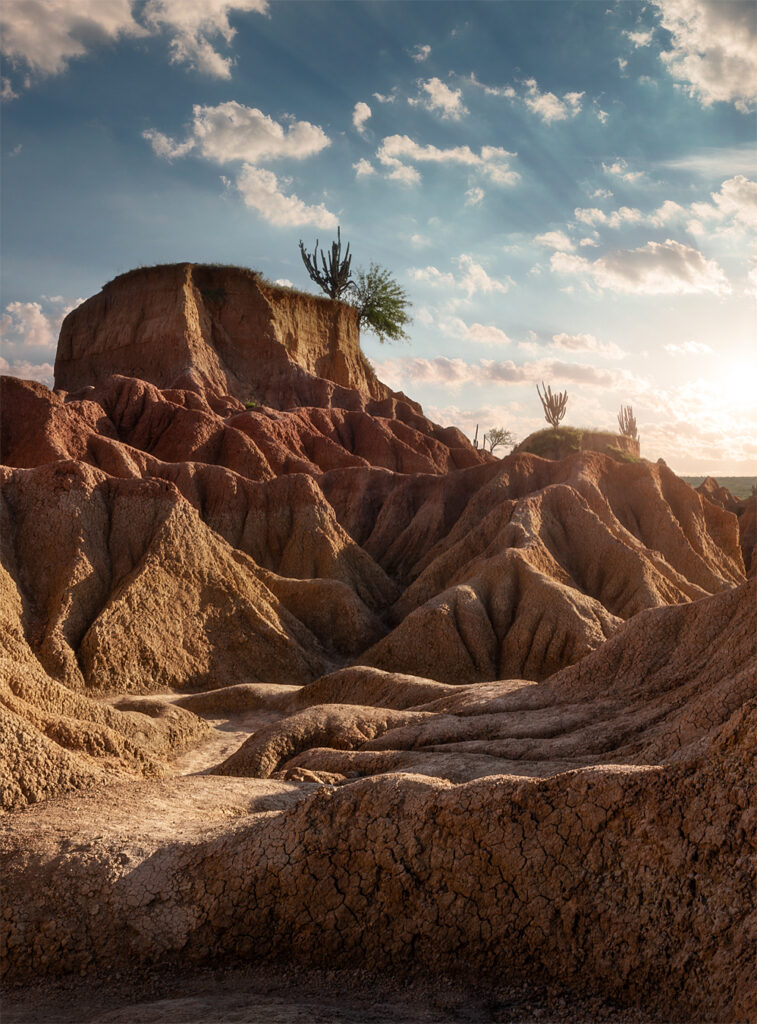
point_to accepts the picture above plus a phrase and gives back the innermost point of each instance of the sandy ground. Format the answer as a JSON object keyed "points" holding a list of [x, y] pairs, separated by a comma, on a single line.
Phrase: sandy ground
{"points": [[288, 996]]}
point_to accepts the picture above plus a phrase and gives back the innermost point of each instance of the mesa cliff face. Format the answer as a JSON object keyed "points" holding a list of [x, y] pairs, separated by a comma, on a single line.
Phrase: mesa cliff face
{"points": [[221, 329], [547, 665]]}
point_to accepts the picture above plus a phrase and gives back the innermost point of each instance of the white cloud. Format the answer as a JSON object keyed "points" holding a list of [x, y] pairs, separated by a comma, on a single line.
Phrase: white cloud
{"points": [[601, 193], [736, 202], [506, 90], [420, 53], [688, 348], [232, 131], [587, 343], [397, 151], [284, 282], [6, 92], [620, 169], [260, 190], [193, 26], [474, 196], [717, 162], [47, 36], [548, 106], [555, 240], [25, 370], [640, 38], [588, 242], [386, 97], [657, 268], [439, 97], [473, 278], [25, 323], [602, 116], [433, 276], [363, 168], [750, 288], [487, 334], [360, 115], [624, 215], [714, 49], [622, 64], [454, 373]]}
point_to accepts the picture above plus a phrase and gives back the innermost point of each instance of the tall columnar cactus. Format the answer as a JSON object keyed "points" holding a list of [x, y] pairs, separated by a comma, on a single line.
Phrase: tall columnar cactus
{"points": [[553, 405], [627, 422], [335, 275]]}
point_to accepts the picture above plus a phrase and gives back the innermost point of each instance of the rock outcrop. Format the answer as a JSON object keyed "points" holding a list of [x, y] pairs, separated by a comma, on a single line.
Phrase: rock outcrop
{"points": [[469, 714], [222, 330]]}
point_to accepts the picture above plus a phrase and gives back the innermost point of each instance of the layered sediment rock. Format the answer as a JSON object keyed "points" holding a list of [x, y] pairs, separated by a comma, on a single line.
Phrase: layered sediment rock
{"points": [[547, 669]]}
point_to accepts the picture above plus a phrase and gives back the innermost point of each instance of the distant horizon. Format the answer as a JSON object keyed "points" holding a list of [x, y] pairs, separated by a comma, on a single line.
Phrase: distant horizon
{"points": [[565, 190]]}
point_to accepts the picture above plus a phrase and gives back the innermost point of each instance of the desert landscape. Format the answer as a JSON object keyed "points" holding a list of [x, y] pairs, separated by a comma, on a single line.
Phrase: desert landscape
{"points": [[312, 710]]}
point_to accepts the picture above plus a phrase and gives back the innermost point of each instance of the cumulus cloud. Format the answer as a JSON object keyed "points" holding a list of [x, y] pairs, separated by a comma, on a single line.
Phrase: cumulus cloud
{"points": [[397, 152], [29, 335], [587, 343], [557, 240], [620, 169], [472, 279], [22, 368], [438, 97], [735, 202], [260, 191], [45, 38], [386, 97], [232, 131], [193, 28], [363, 168], [548, 106], [657, 268], [360, 115], [474, 196], [642, 37], [714, 49], [421, 52], [688, 348]]}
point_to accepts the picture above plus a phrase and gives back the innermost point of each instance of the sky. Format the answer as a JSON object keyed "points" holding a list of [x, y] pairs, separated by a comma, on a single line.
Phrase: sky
{"points": [[567, 191]]}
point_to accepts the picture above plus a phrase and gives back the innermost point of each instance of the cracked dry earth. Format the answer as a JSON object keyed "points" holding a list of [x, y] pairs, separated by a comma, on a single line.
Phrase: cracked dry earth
{"points": [[296, 693]]}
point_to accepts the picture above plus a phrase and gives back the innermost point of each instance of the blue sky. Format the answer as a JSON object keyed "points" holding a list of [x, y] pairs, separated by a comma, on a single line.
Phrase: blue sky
{"points": [[565, 190]]}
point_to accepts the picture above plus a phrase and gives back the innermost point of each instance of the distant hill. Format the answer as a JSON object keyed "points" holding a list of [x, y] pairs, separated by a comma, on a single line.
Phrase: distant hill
{"points": [[739, 486]]}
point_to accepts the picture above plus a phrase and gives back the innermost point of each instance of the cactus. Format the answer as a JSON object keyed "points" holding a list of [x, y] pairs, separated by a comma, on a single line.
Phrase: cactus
{"points": [[335, 276], [627, 422], [553, 405]]}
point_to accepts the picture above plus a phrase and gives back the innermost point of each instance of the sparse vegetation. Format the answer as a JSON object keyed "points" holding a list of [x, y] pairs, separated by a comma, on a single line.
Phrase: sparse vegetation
{"points": [[498, 437], [334, 275], [627, 422], [381, 304], [553, 405], [568, 438]]}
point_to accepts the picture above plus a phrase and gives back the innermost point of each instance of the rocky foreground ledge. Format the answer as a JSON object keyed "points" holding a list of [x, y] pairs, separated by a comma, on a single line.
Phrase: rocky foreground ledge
{"points": [[288, 671]]}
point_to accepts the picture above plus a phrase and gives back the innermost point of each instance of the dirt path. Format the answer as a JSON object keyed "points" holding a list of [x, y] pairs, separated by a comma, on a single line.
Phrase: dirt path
{"points": [[288, 996]]}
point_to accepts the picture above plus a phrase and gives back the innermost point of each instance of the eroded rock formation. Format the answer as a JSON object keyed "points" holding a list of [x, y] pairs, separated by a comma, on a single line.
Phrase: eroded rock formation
{"points": [[467, 711]]}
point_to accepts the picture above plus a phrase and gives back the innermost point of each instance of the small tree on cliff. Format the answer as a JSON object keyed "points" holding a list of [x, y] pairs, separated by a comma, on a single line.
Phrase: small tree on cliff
{"points": [[381, 304], [334, 274], [497, 437]]}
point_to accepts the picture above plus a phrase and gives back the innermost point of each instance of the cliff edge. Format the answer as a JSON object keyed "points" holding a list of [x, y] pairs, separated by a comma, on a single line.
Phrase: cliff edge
{"points": [[222, 330]]}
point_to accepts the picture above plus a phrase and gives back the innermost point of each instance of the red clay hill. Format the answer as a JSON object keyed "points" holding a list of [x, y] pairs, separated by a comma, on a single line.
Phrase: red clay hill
{"points": [[351, 690]]}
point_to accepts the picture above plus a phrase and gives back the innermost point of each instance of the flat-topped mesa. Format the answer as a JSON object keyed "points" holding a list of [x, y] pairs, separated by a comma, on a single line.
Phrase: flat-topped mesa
{"points": [[220, 329]]}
